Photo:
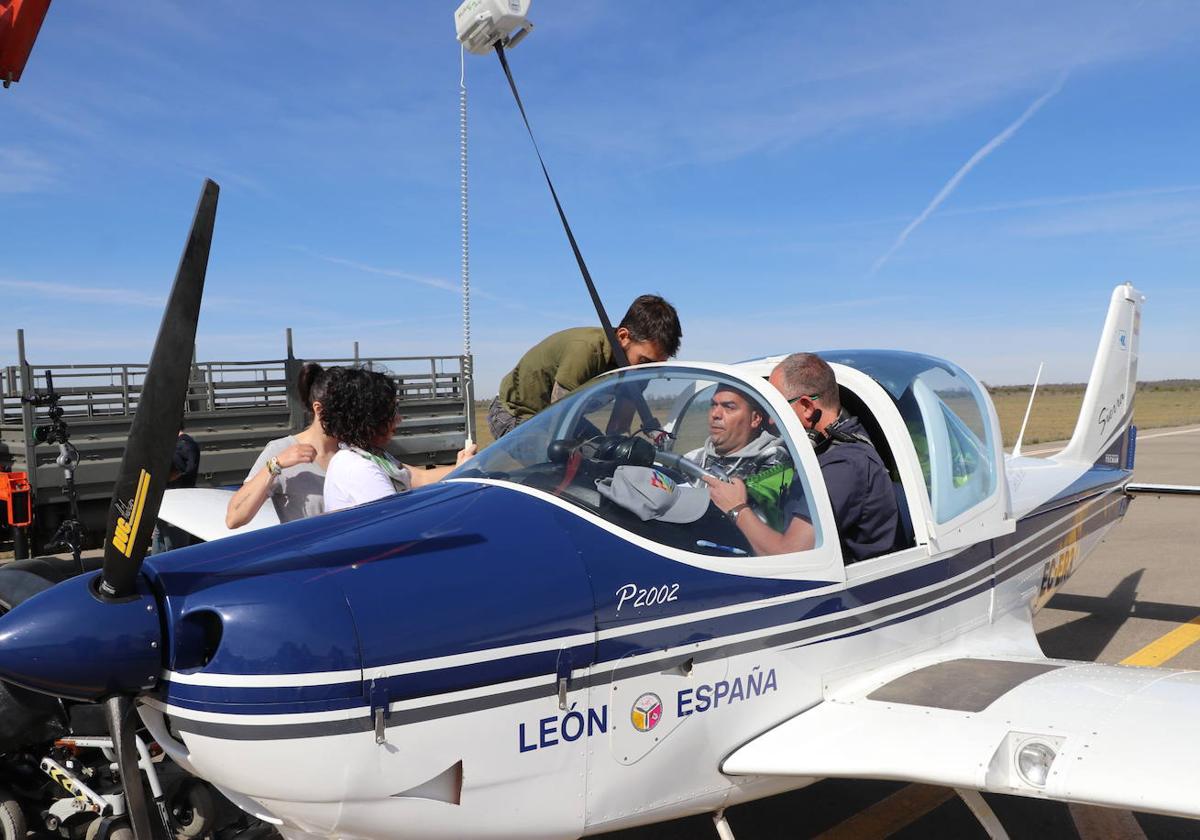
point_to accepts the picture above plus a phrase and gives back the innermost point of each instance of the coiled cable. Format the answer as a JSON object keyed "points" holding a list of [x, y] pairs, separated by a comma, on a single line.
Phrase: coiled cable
{"points": [[467, 364]]}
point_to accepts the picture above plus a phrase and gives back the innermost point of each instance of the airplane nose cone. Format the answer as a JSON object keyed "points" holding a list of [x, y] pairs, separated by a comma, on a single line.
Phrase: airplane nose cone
{"points": [[68, 642]]}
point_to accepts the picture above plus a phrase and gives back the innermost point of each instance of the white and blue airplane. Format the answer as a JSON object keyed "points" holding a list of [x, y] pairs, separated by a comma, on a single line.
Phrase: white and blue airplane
{"points": [[512, 653]]}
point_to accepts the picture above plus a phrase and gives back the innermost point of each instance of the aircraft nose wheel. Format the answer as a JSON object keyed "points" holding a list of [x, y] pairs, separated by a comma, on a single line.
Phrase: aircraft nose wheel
{"points": [[192, 810], [12, 818], [108, 828]]}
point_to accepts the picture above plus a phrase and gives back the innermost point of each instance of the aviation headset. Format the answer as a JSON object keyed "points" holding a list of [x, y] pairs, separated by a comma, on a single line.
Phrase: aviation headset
{"points": [[834, 433]]}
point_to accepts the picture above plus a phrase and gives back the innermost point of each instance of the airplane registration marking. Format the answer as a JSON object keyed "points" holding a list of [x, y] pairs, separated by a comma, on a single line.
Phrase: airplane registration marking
{"points": [[1061, 564], [647, 597], [1166, 647]]}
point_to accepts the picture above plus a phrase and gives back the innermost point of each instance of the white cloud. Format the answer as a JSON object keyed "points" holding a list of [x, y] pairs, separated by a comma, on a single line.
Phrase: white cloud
{"points": [[452, 286], [73, 293], [964, 170], [1041, 202], [23, 171], [709, 96], [1167, 218], [424, 280]]}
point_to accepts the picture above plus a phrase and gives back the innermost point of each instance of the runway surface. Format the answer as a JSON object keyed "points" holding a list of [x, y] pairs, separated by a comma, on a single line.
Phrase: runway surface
{"points": [[1136, 599]]}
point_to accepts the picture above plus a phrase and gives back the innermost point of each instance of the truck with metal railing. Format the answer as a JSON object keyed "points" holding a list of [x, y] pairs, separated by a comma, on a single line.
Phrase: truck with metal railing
{"points": [[233, 409]]}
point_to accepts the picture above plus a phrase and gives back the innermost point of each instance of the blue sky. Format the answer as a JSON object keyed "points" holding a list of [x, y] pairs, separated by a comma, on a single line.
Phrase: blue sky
{"points": [[770, 168]]}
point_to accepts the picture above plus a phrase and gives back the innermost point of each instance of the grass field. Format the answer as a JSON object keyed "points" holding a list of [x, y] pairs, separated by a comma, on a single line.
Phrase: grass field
{"points": [[1056, 408], [1157, 404]]}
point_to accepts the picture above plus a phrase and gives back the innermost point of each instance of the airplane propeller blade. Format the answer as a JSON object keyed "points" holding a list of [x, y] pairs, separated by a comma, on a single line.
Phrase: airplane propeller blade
{"points": [[122, 726], [146, 465], [145, 469], [39, 644]]}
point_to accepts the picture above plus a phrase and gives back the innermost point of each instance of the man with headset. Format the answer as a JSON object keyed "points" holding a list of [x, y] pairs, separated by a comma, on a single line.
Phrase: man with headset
{"points": [[860, 490]]}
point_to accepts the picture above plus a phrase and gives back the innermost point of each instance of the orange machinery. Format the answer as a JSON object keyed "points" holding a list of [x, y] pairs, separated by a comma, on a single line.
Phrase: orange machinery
{"points": [[16, 506], [20, 21], [16, 509]]}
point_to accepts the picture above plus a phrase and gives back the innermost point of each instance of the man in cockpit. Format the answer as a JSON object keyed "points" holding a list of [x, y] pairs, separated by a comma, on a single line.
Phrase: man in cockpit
{"points": [[738, 441], [860, 490]]}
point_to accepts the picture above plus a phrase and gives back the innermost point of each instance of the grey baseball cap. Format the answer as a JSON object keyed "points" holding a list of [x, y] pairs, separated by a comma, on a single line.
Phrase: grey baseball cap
{"points": [[651, 494]]}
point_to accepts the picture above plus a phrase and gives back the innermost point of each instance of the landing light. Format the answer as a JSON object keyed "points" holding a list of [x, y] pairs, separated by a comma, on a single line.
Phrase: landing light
{"points": [[1033, 762]]}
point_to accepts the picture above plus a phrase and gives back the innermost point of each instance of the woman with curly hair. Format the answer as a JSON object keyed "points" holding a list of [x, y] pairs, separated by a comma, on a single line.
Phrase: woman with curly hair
{"points": [[290, 471], [360, 413]]}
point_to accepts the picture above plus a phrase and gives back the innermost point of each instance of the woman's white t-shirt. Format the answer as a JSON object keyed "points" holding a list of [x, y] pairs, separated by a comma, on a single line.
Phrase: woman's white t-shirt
{"points": [[353, 480]]}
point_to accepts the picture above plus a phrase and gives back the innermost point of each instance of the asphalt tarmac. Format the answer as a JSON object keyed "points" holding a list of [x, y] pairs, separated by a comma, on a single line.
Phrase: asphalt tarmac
{"points": [[1141, 585]]}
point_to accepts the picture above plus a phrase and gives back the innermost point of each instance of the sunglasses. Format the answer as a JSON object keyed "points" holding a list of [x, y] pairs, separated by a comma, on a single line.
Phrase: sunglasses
{"points": [[813, 397]]}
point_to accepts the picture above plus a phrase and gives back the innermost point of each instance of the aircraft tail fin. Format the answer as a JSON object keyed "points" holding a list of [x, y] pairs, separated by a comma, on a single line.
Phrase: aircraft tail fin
{"points": [[1100, 433]]}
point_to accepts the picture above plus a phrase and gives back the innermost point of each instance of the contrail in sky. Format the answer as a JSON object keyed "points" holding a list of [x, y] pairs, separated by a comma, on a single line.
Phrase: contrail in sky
{"points": [[985, 150]]}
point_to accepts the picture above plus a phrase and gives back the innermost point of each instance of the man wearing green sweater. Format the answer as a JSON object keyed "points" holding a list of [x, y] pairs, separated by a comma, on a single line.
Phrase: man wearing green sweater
{"points": [[564, 361]]}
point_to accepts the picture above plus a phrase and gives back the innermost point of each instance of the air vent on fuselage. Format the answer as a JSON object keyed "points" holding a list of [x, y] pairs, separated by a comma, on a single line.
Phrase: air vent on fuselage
{"points": [[444, 787], [198, 636]]}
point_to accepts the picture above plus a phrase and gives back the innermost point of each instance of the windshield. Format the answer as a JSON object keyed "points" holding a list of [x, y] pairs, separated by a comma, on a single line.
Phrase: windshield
{"points": [[633, 448]]}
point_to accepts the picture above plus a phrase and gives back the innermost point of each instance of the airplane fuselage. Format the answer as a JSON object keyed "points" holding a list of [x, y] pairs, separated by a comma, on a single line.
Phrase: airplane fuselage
{"points": [[565, 683]]}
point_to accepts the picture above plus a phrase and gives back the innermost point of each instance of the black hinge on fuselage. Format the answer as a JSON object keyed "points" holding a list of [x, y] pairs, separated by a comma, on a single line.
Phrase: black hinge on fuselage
{"points": [[562, 672], [378, 695]]}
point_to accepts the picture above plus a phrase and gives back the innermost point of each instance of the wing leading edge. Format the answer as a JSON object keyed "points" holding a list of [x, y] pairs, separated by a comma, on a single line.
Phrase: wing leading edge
{"points": [[1116, 736], [201, 512]]}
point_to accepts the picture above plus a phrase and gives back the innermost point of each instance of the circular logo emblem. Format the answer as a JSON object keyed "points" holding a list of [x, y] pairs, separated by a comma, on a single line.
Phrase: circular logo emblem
{"points": [[646, 712]]}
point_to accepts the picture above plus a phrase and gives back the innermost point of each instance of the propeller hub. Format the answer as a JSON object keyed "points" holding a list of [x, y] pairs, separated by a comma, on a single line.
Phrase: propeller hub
{"points": [[71, 642]]}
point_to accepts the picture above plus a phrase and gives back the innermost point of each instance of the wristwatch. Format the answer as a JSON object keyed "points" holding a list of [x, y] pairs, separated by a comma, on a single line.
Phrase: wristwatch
{"points": [[273, 467], [736, 511]]}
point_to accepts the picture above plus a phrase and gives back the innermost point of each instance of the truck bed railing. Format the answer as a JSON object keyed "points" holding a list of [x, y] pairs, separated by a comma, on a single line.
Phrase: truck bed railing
{"points": [[232, 409]]}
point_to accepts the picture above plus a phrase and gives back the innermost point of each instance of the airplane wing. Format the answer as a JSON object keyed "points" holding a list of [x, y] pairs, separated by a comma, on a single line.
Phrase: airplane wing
{"points": [[1107, 735], [201, 512]]}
